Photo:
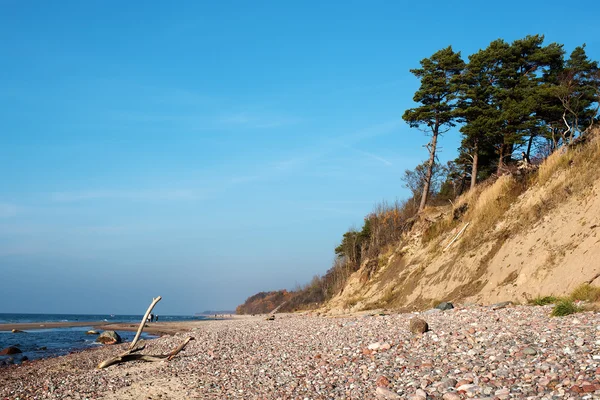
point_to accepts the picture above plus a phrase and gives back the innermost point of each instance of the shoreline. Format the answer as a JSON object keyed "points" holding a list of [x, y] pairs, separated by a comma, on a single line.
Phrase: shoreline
{"points": [[163, 328], [48, 325]]}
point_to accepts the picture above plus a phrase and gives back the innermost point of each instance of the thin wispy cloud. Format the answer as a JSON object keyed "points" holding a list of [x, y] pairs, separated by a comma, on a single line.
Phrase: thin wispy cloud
{"points": [[132, 195], [208, 120], [372, 156], [324, 148]]}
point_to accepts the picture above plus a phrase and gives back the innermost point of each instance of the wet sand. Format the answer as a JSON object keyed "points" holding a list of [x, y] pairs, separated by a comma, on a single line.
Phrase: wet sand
{"points": [[49, 325], [156, 328]]}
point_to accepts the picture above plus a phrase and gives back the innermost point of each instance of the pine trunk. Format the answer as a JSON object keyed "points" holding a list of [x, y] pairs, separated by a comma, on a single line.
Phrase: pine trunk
{"points": [[529, 146], [474, 167], [429, 171], [501, 159]]}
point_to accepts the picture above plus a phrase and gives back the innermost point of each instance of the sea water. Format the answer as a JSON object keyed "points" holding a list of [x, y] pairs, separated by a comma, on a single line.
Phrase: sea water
{"points": [[41, 343]]}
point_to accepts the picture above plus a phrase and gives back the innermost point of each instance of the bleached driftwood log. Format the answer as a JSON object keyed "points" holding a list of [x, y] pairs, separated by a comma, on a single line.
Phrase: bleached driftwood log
{"points": [[143, 323], [130, 355], [456, 237]]}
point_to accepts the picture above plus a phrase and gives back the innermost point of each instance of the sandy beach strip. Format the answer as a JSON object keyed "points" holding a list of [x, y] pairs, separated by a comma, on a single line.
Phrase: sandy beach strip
{"points": [[156, 328]]}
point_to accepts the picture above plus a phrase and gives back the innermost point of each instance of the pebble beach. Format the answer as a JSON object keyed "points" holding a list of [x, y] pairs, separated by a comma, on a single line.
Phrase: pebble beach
{"points": [[475, 352]]}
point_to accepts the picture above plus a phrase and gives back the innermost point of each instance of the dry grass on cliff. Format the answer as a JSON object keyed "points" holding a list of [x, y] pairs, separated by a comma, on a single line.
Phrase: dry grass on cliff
{"points": [[579, 164], [566, 172], [489, 208]]}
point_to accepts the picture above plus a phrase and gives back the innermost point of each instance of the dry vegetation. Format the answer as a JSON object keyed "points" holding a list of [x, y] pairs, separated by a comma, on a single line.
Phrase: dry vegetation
{"points": [[567, 171]]}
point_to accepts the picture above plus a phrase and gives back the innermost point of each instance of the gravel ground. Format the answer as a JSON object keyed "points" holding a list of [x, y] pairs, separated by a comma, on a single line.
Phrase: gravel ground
{"points": [[476, 352]]}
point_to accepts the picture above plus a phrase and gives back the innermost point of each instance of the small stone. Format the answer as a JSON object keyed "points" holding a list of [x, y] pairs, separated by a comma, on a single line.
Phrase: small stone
{"points": [[530, 351], [464, 388], [543, 381], [418, 326], [447, 383], [502, 393], [386, 393], [576, 389], [579, 342], [10, 350], [383, 381], [450, 396], [374, 346], [588, 388], [461, 383]]}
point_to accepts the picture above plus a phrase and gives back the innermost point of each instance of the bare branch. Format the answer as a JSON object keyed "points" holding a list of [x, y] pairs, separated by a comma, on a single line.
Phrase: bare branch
{"points": [[143, 323]]}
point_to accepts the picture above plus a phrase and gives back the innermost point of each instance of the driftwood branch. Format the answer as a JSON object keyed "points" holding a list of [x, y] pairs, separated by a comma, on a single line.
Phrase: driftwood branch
{"points": [[456, 237], [143, 323], [278, 307], [130, 356]]}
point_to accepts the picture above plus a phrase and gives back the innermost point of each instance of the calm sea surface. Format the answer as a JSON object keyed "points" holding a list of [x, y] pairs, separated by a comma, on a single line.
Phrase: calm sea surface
{"points": [[41, 343]]}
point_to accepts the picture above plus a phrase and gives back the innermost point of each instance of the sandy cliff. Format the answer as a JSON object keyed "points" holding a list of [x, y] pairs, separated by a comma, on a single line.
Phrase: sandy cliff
{"points": [[530, 234]]}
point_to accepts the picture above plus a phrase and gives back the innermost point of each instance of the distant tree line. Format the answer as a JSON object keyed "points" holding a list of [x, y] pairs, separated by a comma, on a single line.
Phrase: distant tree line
{"points": [[519, 100]]}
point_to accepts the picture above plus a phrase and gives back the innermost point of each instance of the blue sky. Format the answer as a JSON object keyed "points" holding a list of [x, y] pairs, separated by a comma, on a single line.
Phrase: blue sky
{"points": [[207, 151]]}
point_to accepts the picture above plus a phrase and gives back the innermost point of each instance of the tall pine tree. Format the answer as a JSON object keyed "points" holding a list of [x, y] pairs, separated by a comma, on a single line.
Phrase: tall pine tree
{"points": [[477, 108], [525, 67], [437, 97]]}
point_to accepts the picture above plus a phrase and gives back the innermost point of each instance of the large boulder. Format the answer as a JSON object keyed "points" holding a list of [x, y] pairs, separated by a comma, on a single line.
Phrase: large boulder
{"points": [[109, 337], [10, 350], [445, 306], [418, 326], [501, 305]]}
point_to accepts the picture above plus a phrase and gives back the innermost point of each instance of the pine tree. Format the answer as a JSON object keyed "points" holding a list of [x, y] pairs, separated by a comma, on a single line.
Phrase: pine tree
{"points": [[525, 66], [437, 95], [578, 88], [477, 108]]}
